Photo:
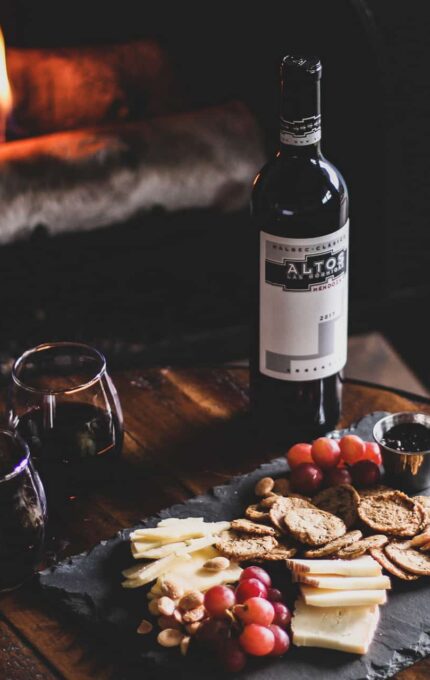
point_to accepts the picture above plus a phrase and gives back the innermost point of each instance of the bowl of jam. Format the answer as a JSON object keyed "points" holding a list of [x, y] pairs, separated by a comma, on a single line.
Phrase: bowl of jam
{"points": [[404, 439]]}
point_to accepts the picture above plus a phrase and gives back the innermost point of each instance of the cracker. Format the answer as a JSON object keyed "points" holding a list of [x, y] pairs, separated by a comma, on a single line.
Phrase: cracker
{"points": [[424, 501], [283, 551], [425, 547], [281, 507], [341, 500], [269, 501], [362, 547], [408, 558], [246, 526], [420, 539], [313, 526], [379, 555], [334, 546], [392, 512], [254, 513], [238, 547], [375, 490]]}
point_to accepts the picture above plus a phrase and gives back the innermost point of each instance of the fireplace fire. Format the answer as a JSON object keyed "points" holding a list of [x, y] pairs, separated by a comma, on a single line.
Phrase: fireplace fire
{"points": [[5, 90]]}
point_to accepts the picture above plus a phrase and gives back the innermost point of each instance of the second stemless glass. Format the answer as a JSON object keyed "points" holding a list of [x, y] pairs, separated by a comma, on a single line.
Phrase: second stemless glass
{"points": [[65, 406]]}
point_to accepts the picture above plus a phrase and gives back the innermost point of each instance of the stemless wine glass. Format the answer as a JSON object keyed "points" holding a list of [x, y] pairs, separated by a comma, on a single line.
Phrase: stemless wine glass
{"points": [[22, 512], [65, 406]]}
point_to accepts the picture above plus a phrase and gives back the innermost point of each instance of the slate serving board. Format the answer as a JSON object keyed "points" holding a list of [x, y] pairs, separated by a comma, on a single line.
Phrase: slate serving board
{"points": [[87, 586]]}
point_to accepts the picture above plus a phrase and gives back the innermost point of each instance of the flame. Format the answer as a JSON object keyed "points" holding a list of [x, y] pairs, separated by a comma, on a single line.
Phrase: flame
{"points": [[5, 89]]}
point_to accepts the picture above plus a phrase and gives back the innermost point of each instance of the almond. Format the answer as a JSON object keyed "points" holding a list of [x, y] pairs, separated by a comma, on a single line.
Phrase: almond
{"points": [[192, 599], [145, 627], [165, 622], [192, 628], [153, 607], [170, 637], [172, 588], [184, 644], [217, 564], [166, 606], [264, 486], [193, 615]]}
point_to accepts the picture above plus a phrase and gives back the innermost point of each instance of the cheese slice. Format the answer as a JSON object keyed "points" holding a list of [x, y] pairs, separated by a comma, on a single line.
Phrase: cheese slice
{"points": [[158, 551], [192, 576], [140, 547], [361, 566], [345, 582], [183, 548], [142, 575], [316, 597], [180, 530], [347, 629], [169, 521]]}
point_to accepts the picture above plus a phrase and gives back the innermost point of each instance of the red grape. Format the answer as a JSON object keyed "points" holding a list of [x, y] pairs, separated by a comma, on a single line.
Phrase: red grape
{"points": [[257, 640], [256, 610], [251, 587], [365, 473], [213, 632], [372, 452], [218, 599], [299, 453], [274, 595], [306, 478], [352, 448], [282, 641], [326, 452], [337, 476], [256, 572], [232, 656], [282, 616]]}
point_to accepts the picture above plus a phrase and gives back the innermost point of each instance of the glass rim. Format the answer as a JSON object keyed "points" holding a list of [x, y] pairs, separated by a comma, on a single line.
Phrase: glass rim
{"points": [[25, 460], [52, 345]]}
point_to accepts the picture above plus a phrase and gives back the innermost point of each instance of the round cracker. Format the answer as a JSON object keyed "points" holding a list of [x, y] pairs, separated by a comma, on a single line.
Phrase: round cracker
{"points": [[283, 505], [313, 526], [379, 555], [283, 551], [408, 558], [392, 513], [238, 547], [341, 500], [334, 546], [375, 490], [246, 526], [361, 547]]}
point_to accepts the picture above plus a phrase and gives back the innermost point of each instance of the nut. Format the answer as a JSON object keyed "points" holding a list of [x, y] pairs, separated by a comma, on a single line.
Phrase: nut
{"points": [[192, 628], [192, 599], [170, 637], [268, 501], [165, 622], [172, 588], [166, 606], [184, 644], [145, 627], [281, 487], [193, 615], [177, 615], [153, 607], [217, 564], [264, 486]]}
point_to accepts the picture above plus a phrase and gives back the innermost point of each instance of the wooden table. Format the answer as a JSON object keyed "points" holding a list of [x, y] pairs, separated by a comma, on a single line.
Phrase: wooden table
{"points": [[186, 430]]}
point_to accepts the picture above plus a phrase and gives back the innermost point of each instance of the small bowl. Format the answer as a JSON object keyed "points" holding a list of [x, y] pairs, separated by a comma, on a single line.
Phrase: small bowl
{"points": [[408, 470]]}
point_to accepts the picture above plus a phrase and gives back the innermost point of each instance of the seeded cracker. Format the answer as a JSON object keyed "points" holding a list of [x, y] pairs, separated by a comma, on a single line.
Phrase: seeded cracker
{"points": [[245, 526], [362, 547], [283, 551], [408, 558], [313, 526], [281, 507], [379, 555], [234, 546], [334, 546], [392, 513], [254, 513], [340, 500], [375, 490]]}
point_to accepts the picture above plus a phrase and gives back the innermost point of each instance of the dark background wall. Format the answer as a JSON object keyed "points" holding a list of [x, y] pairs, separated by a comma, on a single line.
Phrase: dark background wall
{"points": [[376, 100]]}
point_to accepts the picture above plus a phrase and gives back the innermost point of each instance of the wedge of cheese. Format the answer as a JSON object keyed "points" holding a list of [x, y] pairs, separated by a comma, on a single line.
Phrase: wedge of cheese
{"points": [[140, 571], [317, 597], [138, 576], [345, 582], [180, 530], [347, 629], [361, 566]]}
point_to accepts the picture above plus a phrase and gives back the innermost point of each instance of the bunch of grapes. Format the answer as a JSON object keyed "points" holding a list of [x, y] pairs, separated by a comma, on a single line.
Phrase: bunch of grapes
{"points": [[329, 462], [250, 620]]}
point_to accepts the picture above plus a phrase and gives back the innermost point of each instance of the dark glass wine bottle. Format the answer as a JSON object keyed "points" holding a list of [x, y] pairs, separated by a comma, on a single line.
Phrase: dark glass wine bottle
{"points": [[299, 208]]}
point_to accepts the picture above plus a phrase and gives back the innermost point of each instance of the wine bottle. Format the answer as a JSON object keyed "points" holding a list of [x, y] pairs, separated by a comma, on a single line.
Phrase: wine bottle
{"points": [[299, 208]]}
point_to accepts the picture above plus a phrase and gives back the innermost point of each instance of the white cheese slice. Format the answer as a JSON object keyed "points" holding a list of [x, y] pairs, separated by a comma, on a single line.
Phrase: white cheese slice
{"points": [[316, 597], [192, 576], [169, 521], [345, 582], [361, 566], [347, 629], [179, 531], [158, 551], [149, 572], [140, 547], [183, 548]]}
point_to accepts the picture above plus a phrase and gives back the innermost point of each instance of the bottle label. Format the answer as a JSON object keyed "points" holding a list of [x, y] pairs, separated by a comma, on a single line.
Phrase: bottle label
{"points": [[303, 305], [301, 132]]}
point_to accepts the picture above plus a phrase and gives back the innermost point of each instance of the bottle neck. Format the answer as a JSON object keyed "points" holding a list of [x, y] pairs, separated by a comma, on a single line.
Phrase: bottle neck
{"points": [[300, 118]]}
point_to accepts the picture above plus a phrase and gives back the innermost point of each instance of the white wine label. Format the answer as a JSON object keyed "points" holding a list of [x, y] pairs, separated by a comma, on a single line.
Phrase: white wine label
{"points": [[303, 305], [301, 132]]}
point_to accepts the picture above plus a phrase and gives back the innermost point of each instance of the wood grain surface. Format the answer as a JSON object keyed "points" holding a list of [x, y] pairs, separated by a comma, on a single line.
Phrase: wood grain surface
{"points": [[186, 430]]}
